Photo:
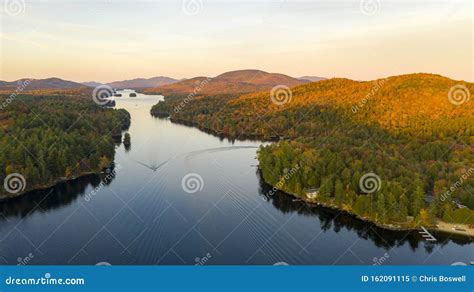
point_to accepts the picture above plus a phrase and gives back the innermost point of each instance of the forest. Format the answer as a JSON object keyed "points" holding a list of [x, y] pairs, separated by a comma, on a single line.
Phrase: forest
{"points": [[49, 138], [404, 130]]}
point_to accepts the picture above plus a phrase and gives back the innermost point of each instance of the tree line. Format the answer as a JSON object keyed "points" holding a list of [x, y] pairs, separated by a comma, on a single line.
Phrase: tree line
{"points": [[50, 138]]}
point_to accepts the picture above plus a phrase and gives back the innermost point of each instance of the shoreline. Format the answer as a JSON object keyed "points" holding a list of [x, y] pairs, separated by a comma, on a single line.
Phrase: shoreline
{"points": [[5, 197], [441, 226], [215, 133]]}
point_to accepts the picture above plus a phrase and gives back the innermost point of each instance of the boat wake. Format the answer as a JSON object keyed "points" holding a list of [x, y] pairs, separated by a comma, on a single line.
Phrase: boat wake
{"points": [[193, 154]]}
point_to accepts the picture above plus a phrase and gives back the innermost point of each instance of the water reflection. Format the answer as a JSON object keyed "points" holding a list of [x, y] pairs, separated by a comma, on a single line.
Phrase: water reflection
{"points": [[336, 221], [66, 193], [62, 194]]}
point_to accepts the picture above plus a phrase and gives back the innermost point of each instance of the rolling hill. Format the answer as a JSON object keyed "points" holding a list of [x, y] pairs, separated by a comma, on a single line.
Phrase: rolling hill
{"points": [[312, 78], [36, 84], [406, 103], [92, 84], [137, 83], [233, 82], [142, 82], [412, 135]]}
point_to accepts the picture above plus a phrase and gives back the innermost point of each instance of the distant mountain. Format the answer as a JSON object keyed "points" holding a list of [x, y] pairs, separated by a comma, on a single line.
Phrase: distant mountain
{"points": [[92, 84], [34, 84], [312, 78], [142, 82], [233, 82]]}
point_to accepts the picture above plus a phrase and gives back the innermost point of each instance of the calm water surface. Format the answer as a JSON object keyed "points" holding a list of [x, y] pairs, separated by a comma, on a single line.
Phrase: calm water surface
{"points": [[143, 215]]}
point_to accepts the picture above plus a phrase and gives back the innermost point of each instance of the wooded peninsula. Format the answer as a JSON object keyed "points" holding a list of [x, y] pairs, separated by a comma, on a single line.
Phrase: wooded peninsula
{"points": [[52, 138]]}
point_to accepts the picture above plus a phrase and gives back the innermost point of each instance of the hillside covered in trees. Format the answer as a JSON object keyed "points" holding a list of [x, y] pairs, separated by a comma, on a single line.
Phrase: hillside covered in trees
{"points": [[409, 133], [233, 82], [46, 138]]}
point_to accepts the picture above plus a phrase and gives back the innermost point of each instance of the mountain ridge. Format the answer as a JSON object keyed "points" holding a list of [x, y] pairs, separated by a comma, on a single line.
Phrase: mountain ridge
{"points": [[142, 82], [35, 84], [231, 82], [312, 78]]}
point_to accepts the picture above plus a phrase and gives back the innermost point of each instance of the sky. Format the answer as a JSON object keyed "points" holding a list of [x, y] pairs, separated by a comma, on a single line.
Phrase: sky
{"points": [[110, 40]]}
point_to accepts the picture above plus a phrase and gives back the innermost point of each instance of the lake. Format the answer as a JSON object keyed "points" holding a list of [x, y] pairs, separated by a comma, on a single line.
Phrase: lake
{"points": [[178, 195]]}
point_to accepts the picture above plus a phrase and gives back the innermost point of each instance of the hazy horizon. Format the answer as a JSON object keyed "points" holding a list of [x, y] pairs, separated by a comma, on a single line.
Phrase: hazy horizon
{"points": [[106, 41], [184, 78]]}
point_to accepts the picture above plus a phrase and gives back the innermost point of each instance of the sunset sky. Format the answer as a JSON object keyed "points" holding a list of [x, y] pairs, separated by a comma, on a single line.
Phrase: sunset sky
{"points": [[114, 40]]}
